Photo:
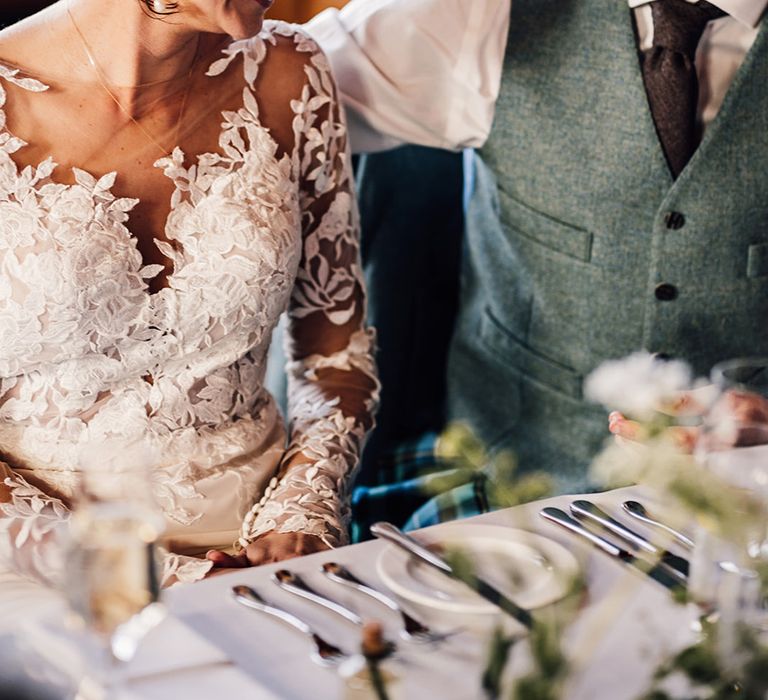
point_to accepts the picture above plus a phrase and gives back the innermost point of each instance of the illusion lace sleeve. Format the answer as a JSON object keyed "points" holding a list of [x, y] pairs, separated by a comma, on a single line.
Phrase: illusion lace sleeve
{"points": [[29, 520], [332, 383]]}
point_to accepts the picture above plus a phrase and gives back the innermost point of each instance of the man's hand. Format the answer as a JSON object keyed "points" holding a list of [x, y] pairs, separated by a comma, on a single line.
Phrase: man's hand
{"points": [[743, 416], [627, 431], [746, 409], [270, 547]]}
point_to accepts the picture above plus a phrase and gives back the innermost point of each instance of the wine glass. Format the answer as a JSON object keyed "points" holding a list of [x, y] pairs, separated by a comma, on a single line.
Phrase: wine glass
{"points": [[736, 430], [111, 579]]}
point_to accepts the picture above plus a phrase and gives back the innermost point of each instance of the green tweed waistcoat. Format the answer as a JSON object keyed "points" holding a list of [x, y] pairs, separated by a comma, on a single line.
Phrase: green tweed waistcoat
{"points": [[581, 247]]}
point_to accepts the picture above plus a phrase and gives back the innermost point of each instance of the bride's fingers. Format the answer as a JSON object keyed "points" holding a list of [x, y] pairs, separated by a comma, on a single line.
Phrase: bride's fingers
{"points": [[224, 560], [258, 554], [276, 547], [220, 571]]}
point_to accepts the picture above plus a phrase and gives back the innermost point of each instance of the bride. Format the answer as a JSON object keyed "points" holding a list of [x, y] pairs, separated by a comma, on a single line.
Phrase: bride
{"points": [[166, 193]]}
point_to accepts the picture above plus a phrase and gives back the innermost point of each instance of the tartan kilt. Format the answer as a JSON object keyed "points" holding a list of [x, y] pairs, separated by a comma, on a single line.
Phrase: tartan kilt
{"points": [[415, 488]]}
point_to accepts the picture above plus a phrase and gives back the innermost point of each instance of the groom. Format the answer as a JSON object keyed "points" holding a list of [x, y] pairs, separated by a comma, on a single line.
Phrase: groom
{"points": [[619, 197]]}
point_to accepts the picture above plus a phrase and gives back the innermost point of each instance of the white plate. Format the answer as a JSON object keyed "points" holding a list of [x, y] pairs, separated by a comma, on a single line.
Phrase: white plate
{"points": [[530, 568]]}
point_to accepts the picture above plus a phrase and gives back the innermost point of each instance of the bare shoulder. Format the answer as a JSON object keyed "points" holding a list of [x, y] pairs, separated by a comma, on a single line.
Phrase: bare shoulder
{"points": [[31, 44], [292, 53]]}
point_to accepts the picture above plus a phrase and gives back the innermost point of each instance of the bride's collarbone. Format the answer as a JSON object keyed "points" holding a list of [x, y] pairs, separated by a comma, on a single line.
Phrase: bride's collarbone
{"points": [[98, 142], [80, 125]]}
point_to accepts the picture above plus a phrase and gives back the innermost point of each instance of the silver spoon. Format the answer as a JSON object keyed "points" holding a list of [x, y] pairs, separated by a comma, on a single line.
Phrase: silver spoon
{"points": [[294, 584], [412, 630], [324, 653], [638, 511]]}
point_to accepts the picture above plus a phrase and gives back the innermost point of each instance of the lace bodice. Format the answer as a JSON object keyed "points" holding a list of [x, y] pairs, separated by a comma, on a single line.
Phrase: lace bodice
{"points": [[88, 354]]}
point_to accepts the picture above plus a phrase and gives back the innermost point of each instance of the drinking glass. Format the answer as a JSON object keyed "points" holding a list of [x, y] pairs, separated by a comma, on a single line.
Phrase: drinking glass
{"points": [[111, 579], [741, 403], [733, 447]]}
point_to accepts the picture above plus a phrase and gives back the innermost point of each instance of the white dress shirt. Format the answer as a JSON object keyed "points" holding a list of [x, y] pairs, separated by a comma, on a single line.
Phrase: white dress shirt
{"points": [[429, 71]]}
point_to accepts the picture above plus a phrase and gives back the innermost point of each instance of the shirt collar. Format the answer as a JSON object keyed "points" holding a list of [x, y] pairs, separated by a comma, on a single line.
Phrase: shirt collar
{"points": [[747, 12]]}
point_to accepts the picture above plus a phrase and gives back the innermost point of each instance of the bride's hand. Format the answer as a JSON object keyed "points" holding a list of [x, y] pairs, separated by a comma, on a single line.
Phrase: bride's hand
{"points": [[270, 547]]}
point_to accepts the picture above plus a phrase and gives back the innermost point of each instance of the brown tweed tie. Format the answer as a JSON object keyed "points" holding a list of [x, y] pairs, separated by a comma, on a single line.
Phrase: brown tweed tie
{"points": [[669, 72]]}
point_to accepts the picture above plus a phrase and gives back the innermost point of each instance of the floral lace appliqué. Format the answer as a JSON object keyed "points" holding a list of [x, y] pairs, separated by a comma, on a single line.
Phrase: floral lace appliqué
{"points": [[252, 234]]}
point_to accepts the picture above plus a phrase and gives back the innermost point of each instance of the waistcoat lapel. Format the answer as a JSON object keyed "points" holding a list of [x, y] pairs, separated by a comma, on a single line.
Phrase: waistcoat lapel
{"points": [[743, 112]]}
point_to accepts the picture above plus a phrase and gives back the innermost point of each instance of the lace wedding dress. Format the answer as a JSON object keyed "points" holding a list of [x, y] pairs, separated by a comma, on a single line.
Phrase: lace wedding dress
{"points": [[88, 355]]}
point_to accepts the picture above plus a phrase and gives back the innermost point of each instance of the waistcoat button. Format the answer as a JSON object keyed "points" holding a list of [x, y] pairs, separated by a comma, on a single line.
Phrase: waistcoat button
{"points": [[674, 220], [666, 292]]}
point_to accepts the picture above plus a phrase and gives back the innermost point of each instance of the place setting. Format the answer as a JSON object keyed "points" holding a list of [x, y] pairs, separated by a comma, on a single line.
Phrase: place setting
{"points": [[434, 596], [431, 609]]}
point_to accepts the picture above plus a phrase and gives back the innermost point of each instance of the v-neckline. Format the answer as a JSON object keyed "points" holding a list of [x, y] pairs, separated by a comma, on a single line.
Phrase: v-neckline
{"points": [[177, 158], [724, 113], [178, 154]]}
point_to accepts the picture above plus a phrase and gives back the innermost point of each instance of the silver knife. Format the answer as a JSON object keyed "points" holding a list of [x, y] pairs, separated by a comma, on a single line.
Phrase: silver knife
{"points": [[659, 573], [391, 533], [587, 510]]}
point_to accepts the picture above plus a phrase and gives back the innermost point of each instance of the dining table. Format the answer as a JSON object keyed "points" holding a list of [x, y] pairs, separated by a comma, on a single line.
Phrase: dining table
{"points": [[207, 646]]}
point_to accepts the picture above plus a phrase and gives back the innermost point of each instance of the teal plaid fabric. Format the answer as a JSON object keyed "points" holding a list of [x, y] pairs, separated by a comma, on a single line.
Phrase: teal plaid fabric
{"points": [[416, 488]]}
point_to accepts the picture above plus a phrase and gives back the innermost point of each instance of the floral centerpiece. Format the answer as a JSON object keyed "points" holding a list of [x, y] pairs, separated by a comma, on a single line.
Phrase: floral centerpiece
{"points": [[656, 414]]}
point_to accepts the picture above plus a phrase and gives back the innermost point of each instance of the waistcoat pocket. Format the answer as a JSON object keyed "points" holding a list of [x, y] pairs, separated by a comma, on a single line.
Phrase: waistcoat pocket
{"points": [[529, 362], [757, 260], [545, 230]]}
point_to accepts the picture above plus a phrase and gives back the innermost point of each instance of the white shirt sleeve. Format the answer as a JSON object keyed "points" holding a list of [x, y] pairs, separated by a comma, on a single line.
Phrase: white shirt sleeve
{"points": [[416, 71]]}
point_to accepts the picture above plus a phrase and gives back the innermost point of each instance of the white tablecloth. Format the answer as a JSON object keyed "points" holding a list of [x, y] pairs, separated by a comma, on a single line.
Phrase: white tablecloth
{"points": [[212, 647]]}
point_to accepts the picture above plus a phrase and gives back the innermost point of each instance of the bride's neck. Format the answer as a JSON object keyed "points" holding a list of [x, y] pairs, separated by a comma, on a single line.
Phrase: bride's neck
{"points": [[130, 47]]}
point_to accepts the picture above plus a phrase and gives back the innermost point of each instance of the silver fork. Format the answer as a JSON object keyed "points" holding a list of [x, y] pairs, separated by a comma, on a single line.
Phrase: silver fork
{"points": [[413, 630], [324, 652]]}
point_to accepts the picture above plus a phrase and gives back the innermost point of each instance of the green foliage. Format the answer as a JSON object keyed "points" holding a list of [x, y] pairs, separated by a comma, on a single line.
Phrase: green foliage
{"points": [[656, 695], [728, 512], [550, 667], [718, 505], [498, 655], [377, 678], [464, 452], [459, 446], [699, 663], [462, 565], [702, 664], [545, 647], [535, 688], [762, 571]]}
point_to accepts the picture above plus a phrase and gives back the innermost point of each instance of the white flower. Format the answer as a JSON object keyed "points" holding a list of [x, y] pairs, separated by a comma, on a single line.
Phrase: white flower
{"points": [[637, 385]]}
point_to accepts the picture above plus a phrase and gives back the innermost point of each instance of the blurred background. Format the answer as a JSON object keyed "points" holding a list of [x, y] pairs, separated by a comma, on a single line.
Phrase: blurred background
{"points": [[290, 10]]}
